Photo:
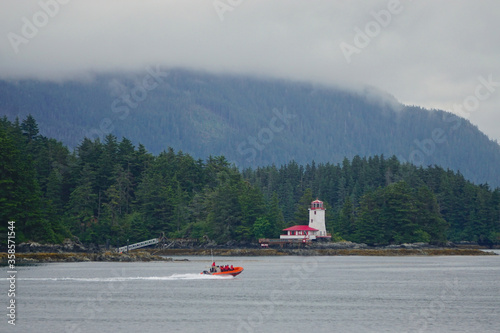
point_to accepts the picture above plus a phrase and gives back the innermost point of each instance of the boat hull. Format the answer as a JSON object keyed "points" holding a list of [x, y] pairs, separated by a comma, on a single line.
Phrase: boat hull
{"points": [[234, 272]]}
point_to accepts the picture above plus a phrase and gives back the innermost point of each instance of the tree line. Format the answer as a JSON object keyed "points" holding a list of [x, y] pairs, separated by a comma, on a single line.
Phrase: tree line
{"points": [[112, 191]]}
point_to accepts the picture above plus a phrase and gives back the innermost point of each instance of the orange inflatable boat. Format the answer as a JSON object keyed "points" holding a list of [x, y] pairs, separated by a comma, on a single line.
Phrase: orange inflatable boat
{"points": [[220, 270]]}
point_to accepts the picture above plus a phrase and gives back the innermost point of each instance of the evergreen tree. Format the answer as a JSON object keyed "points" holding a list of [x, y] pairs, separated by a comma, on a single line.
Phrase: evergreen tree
{"points": [[432, 226], [398, 210], [252, 206], [30, 130], [224, 218], [83, 204], [302, 208], [262, 228], [370, 228], [275, 216], [345, 225]]}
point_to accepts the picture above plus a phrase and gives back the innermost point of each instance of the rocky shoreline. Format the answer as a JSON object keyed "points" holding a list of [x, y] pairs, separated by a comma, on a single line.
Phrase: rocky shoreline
{"points": [[325, 252], [74, 251], [46, 257], [146, 255]]}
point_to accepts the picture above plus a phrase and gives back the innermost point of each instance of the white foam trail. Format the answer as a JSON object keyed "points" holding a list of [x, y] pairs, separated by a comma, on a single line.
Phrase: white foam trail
{"points": [[137, 278]]}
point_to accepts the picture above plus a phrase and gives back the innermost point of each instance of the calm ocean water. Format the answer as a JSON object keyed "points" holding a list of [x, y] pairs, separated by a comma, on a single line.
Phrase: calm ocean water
{"points": [[273, 294]]}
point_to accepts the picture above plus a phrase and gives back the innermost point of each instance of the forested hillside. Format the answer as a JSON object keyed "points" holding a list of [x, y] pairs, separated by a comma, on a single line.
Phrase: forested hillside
{"points": [[113, 190], [252, 122]]}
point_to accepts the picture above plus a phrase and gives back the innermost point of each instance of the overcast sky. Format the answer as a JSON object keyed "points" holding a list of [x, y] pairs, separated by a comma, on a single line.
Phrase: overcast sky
{"points": [[436, 54]]}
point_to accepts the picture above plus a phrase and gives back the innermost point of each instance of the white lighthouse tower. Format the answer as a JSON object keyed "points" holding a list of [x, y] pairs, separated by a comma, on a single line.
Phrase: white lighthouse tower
{"points": [[316, 230], [317, 219]]}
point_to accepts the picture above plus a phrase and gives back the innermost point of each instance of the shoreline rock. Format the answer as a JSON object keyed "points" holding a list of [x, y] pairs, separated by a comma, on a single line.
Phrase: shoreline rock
{"points": [[68, 246], [72, 250], [73, 245], [325, 252], [146, 256], [48, 257]]}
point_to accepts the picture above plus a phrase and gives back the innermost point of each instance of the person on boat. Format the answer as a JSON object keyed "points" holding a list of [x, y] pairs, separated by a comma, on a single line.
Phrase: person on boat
{"points": [[232, 268]]}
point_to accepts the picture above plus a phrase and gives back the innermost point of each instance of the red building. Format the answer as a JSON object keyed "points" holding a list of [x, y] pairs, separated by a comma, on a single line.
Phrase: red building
{"points": [[299, 232]]}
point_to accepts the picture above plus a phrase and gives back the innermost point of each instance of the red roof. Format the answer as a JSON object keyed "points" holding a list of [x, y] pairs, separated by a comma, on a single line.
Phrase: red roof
{"points": [[301, 228]]}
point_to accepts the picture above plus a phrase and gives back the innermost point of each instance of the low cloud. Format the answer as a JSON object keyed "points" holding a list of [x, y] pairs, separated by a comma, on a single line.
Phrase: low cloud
{"points": [[422, 53]]}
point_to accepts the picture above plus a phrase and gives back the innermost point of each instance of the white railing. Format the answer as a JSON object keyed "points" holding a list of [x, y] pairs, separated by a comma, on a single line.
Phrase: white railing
{"points": [[138, 245], [308, 237]]}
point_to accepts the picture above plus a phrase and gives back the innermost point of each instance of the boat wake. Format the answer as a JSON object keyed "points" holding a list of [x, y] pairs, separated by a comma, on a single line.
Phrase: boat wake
{"points": [[191, 276]]}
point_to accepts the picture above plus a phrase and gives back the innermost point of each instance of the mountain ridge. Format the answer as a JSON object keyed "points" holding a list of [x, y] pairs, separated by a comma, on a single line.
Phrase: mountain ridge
{"points": [[253, 122]]}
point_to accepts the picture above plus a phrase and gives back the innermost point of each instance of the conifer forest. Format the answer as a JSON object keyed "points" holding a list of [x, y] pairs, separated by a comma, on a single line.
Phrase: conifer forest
{"points": [[114, 191]]}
